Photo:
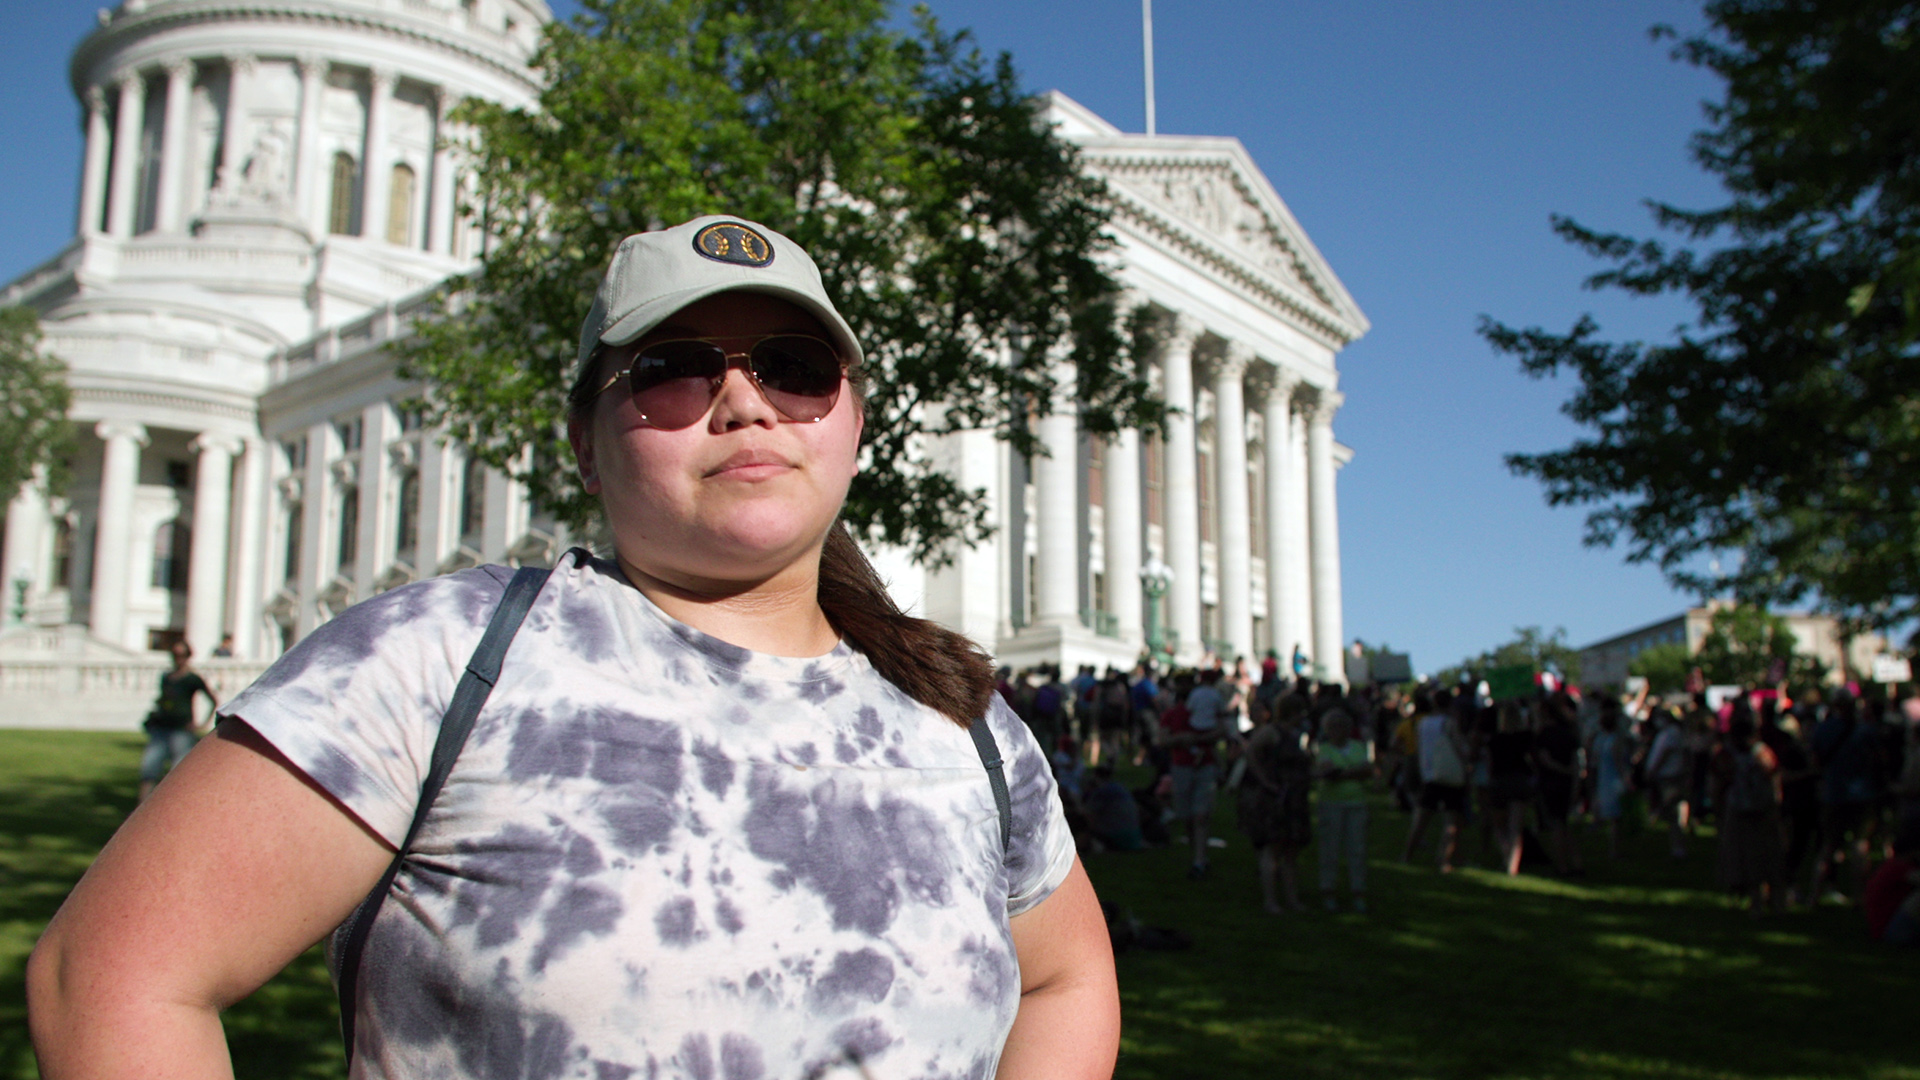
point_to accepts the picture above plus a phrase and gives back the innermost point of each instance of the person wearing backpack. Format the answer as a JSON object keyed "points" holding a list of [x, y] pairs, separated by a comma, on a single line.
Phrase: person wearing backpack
{"points": [[1746, 786]]}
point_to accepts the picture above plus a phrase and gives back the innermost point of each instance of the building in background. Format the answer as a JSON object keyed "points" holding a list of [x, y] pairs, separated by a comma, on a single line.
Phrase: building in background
{"points": [[267, 198], [1605, 663]]}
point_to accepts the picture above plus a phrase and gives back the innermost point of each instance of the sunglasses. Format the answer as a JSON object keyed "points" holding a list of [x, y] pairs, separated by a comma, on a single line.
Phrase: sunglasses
{"points": [[674, 382]]}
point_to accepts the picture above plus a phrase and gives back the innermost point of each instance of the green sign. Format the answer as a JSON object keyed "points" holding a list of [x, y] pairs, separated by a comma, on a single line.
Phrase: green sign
{"points": [[1506, 683]]}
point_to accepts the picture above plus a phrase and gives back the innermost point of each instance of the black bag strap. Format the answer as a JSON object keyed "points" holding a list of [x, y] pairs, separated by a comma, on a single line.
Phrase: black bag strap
{"points": [[483, 670], [990, 757]]}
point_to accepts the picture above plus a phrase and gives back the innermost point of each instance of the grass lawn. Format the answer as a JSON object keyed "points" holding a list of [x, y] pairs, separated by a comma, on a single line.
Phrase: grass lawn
{"points": [[1637, 971]]}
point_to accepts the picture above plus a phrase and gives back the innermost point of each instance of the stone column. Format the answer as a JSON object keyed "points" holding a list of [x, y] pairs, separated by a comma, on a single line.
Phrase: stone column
{"points": [[1236, 538], [1126, 530], [317, 554], [1277, 422], [307, 166], [123, 201], [174, 137], [93, 173], [233, 124], [1056, 499], [375, 169], [247, 573], [119, 474], [1325, 535], [207, 565], [375, 543], [440, 208], [1182, 487]]}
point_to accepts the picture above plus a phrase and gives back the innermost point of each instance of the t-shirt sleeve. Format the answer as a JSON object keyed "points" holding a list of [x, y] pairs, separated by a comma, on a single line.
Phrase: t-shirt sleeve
{"points": [[356, 705], [1040, 852]]}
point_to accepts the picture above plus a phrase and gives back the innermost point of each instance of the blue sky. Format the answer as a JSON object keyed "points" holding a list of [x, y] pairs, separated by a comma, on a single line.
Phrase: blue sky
{"points": [[1422, 145]]}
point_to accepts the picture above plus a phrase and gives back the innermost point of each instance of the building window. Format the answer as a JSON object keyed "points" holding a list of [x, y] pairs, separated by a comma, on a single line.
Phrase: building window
{"points": [[349, 526], [406, 518], [1097, 471], [1257, 505], [172, 542], [400, 205], [1205, 454], [473, 502], [63, 554], [178, 475], [345, 175], [296, 524], [296, 452], [1156, 481], [352, 432]]}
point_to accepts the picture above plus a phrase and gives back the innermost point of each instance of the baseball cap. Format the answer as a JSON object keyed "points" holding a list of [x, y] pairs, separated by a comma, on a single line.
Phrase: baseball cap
{"points": [[654, 274]]}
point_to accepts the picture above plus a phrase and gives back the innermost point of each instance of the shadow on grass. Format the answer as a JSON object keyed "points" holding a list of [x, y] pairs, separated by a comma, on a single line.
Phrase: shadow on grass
{"points": [[62, 795], [1630, 973]]}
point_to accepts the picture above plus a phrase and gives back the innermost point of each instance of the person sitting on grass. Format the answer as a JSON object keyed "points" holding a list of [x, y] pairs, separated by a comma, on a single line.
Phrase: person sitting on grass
{"points": [[1344, 764], [1892, 900], [1274, 805], [1112, 811]]}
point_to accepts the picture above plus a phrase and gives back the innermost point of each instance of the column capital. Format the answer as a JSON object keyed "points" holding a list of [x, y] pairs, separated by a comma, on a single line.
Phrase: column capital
{"points": [[1274, 384], [96, 99], [129, 80], [382, 80], [1233, 364], [181, 68], [311, 65], [1320, 405], [1185, 330], [217, 442], [109, 430], [241, 63]]}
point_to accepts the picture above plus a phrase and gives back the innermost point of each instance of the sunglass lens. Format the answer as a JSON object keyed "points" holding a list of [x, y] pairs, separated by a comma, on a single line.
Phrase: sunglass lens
{"points": [[673, 381], [799, 375]]}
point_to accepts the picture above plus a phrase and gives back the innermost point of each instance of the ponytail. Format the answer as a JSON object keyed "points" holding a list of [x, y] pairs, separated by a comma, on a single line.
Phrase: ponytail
{"points": [[935, 666]]}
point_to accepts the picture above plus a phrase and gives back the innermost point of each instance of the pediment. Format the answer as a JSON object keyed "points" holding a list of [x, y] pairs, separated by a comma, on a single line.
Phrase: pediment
{"points": [[1204, 198]]}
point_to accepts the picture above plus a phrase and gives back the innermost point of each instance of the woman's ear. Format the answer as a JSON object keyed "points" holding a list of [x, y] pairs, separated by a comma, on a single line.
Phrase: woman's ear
{"points": [[580, 434]]}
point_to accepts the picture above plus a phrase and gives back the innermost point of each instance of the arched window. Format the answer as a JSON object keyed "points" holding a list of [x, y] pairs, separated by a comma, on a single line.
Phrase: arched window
{"points": [[406, 528], [400, 206], [473, 502], [172, 542], [345, 175]]}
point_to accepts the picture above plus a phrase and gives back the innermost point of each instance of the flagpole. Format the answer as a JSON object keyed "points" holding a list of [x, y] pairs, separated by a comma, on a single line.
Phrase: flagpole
{"points": [[1146, 37]]}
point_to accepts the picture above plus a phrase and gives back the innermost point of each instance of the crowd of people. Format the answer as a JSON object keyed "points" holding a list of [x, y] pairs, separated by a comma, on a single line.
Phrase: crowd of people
{"points": [[1811, 798]]}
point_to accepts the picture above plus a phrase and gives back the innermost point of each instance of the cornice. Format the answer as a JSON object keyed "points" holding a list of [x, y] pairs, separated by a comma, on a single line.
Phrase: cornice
{"points": [[92, 394], [126, 30]]}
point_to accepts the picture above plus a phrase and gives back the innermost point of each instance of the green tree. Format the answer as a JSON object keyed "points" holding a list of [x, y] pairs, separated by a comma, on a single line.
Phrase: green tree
{"points": [[34, 431], [1664, 666], [959, 238], [1531, 646], [1782, 423], [1747, 645]]}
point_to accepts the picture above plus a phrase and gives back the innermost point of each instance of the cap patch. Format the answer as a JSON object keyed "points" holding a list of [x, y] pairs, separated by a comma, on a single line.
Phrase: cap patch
{"points": [[732, 242]]}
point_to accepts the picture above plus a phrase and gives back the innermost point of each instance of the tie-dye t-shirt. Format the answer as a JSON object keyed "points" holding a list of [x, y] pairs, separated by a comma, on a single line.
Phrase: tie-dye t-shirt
{"points": [[662, 855]]}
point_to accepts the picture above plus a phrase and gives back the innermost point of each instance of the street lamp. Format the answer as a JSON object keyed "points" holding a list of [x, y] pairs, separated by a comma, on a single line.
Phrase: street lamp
{"points": [[1156, 578], [22, 581]]}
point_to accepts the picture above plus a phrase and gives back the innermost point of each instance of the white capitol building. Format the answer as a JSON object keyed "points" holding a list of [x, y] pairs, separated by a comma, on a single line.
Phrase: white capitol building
{"points": [[265, 201]]}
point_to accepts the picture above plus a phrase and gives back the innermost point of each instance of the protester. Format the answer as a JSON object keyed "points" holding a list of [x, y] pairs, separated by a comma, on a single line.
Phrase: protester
{"points": [[1510, 769], [1194, 770], [1891, 901], [1443, 781], [1343, 764], [1610, 757], [1799, 798], [1274, 808], [1557, 774], [1746, 788]]}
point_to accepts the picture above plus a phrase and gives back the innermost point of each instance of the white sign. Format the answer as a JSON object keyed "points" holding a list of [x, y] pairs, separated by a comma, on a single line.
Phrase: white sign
{"points": [[1892, 669]]}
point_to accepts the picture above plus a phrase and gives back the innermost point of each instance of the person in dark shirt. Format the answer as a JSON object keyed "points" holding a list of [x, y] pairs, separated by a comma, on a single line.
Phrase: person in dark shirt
{"points": [[1556, 759], [1511, 781], [171, 729]]}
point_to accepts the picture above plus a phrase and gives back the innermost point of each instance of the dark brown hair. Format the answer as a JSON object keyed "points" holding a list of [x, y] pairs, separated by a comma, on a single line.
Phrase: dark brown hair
{"points": [[940, 668]]}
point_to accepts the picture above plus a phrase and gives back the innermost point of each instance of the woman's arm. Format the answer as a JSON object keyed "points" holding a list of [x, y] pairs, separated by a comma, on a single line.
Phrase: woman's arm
{"points": [[1069, 1021], [234, 867]]}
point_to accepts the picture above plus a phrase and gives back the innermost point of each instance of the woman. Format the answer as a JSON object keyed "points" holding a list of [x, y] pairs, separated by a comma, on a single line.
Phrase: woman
{"points": [[1746, 791], [1344, 764], [1274, 798], [1508, 751], [719, 816], [1608, 752], [171, 727]]}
